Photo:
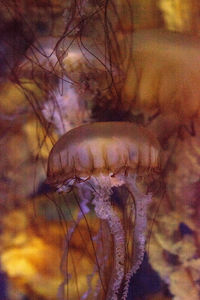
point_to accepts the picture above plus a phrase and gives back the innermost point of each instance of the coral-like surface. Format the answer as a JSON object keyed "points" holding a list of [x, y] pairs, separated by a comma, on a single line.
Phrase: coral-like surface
{"points": [[175, 238]]}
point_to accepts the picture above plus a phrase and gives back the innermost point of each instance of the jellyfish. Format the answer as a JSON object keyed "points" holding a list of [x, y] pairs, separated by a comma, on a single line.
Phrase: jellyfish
{"points": [[162, 73], [96, 159]]}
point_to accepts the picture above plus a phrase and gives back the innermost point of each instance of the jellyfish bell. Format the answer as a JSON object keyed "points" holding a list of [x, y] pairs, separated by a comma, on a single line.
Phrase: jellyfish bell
{"points": [[102, 147], [94, 158], [163, 73]]}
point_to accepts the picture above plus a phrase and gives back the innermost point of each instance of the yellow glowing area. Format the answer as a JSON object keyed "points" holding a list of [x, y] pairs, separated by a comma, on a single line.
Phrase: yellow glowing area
{"points": [[11, 98], [31, 255], [31, 264], [14, 97], [39, 142], [16, 263], [179, 15]]}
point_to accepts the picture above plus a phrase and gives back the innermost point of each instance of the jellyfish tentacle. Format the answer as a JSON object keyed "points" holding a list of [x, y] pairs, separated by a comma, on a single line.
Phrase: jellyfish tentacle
{"points": [[104, 211], [141, 204], [103, 251], [83, 194], [66, 187], [66, 275]]}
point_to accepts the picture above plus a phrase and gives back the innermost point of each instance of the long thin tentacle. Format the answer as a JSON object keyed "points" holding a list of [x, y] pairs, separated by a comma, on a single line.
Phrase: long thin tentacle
{"points": [[141, 204]]}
